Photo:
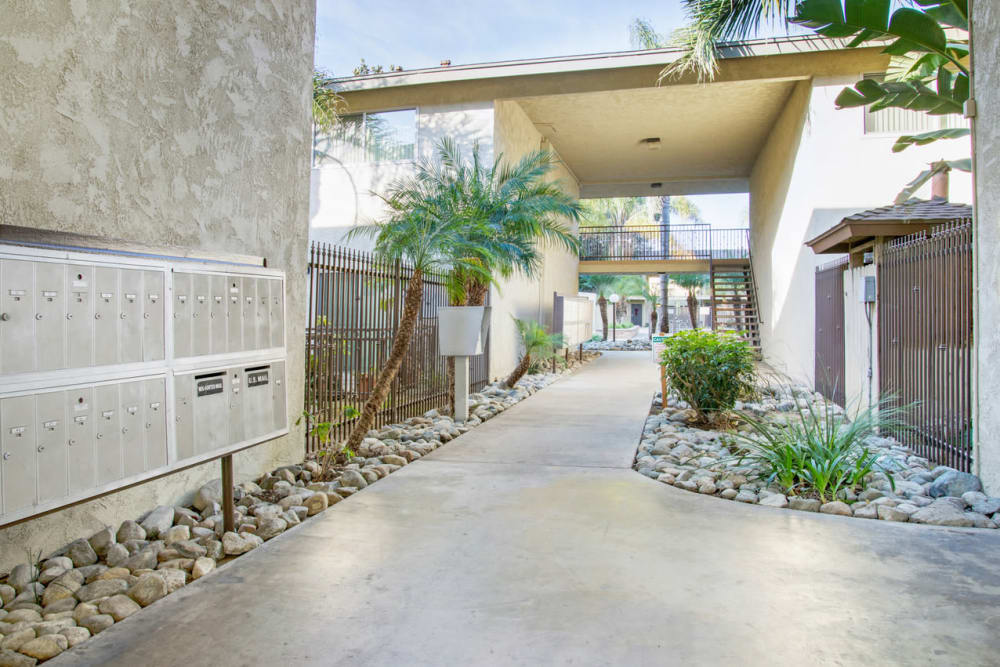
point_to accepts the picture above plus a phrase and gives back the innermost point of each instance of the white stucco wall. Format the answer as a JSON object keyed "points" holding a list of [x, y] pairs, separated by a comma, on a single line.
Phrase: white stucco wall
{"points": [[342, 195], [986, 84], [857, 342], [816, 167], [522, 297], [188, 127]]}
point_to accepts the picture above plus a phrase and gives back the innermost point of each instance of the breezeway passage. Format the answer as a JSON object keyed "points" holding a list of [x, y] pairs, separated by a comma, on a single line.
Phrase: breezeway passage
{"points": [[530, 540]]}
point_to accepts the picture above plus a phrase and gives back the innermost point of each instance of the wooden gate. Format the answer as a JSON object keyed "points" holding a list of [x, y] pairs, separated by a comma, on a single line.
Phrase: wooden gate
{"points": [[830, 359]]}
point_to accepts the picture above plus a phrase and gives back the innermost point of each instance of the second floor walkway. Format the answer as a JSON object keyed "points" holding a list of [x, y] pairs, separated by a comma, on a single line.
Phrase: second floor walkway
{"points": [[658, 248]]}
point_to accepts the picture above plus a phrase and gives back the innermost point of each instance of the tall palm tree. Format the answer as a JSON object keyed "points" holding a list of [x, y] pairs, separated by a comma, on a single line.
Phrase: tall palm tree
{"points": [[601, 284], [692, 282], [512, 212], [421, 229]]}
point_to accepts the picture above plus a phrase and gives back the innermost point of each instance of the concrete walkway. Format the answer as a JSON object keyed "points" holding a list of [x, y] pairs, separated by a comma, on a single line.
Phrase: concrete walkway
{"points": [[531, 541]]}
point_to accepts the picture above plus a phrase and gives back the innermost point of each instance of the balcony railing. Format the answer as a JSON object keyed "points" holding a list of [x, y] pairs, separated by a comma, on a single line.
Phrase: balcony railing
{"points": [[662, 242]]}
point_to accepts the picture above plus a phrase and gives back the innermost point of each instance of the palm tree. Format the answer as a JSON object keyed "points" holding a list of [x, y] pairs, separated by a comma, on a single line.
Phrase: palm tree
{"points": [[600, 283], [512, 210], [539, 345], [327, 105], [713, 21], [692, 282], [422, 230]]}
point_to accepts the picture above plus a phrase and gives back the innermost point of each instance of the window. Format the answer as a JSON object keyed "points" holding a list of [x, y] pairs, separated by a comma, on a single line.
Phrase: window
{"points": [[385, 136], [896, 121]]}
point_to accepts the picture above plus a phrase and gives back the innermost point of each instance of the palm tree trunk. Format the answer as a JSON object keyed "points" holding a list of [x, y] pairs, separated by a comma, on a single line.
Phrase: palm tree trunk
{"points": [[693, 309], [519, 371], [664, 300], [602, 305], [652, 322], [400, 345]]}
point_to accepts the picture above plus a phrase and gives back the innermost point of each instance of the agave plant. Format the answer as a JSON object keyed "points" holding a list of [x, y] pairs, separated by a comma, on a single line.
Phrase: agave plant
{"points": [[539, 346]]}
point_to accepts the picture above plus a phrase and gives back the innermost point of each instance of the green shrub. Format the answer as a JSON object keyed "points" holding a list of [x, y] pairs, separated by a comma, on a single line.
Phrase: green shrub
{"points": [[709, 370], [822, 452]]}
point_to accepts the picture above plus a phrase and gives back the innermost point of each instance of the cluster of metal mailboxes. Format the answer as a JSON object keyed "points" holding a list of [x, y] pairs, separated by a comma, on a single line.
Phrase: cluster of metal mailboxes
{"points": [[98, 391]]}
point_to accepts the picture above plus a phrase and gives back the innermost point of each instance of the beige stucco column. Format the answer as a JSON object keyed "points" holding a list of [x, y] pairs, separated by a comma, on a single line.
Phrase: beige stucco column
{"points": [[986, 416]]}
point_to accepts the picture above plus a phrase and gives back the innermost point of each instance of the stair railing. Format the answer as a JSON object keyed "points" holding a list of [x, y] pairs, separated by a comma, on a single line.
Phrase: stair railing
{"points": [[753, 282]]}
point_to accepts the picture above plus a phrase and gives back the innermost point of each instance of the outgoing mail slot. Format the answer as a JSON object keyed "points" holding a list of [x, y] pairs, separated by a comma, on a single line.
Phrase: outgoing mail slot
{"points": [[80, 439], [17, 452], [17, 317], [211, 412], [107, 434], [105, 316], [50, 316], [51, 446], [79, 316], [258, 404], [152, 316], [182, 315]]}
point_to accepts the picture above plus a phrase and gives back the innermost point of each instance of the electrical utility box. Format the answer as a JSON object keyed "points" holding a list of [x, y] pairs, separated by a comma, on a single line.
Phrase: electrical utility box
{"points": [[120, 364]]}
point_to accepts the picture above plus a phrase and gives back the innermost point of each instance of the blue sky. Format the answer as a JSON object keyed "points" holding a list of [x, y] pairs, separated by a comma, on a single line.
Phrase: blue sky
{"points": [[421, 34]]}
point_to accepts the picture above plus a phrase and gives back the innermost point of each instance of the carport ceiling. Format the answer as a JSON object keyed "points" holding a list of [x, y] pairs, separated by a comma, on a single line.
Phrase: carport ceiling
{"points": [[710, 135]]}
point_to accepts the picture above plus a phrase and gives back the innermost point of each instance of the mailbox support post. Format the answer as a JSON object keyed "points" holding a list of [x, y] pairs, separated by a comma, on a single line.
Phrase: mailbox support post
{"points": [[228, 511], [461, 389]]}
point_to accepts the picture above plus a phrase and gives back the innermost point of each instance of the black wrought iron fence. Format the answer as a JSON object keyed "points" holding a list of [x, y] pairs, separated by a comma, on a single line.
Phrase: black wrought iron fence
{"points": [[355, 305], [925, 339], [657, 242]]}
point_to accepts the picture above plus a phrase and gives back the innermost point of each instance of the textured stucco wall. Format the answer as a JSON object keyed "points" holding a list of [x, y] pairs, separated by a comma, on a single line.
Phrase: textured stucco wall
{"points": [[816, 167], [527, 298], [342, 194], [185, 124], [986, 57]]}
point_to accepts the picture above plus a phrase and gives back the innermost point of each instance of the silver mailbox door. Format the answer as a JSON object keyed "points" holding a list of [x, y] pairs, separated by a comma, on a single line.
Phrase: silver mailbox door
{"points": [[220, 317], [107, 433], [17, 443], [79, 316], [133, 453], [182, 315], [211, 414], [17, 317], [280, 409], [155, 423], [201, 314], [262, 314], [234, 313], [277, 316], [258, 404], [106, 316], [249, 313], [184, 415], [237, 418], [81, 456], [131, 316], [50, 418], [50, 316], [152, 316]]}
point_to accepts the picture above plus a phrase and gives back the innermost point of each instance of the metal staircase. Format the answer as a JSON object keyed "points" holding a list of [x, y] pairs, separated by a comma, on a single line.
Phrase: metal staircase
{"points": [[734, 302]]}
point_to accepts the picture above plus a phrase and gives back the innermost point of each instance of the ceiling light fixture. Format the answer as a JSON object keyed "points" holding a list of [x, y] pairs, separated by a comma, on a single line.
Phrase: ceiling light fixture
{"points": [[650, 143], [656, 185]]}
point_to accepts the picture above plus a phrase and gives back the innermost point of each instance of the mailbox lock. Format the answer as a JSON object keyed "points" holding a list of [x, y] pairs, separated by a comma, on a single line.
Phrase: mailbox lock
{"points": [[122, 316], [124, 429], [6, 456], [69, 316], [100, 436], [72, 442], [41, 448], [97, 316], [38, 316], [4, 317], [145, 316]]}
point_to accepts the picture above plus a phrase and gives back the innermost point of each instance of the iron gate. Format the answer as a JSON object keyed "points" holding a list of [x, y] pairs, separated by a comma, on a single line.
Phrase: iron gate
{"points": [[830, 357], [925, 339]]}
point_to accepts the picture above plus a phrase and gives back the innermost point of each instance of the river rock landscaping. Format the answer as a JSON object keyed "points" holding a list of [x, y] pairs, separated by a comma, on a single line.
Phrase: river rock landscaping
{"points": [[49, 606], [630, 345], [706, 461]]}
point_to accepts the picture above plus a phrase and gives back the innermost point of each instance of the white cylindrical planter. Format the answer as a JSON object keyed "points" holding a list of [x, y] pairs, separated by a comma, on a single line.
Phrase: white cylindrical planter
{"points": [[462, 330]]}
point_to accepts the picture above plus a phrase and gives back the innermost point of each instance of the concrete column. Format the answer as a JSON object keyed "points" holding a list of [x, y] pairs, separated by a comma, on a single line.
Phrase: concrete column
{"points": [[461, 389]]}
